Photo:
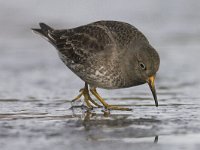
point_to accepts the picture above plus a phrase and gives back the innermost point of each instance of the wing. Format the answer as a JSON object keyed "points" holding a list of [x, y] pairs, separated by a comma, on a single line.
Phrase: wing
{"points": [[82, 43]]}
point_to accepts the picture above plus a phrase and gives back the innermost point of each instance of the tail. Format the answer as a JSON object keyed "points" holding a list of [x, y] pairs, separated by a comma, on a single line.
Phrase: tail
{"points": [[44, 31]]}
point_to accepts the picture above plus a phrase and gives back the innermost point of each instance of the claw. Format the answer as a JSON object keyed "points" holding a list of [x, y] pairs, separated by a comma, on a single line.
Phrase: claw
{"points": [[77, 97], [106, 105], [88, 100], [111, 107]]}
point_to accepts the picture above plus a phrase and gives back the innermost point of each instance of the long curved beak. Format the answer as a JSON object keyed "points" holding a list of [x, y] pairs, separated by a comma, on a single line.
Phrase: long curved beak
{"points": [[151, 82]]}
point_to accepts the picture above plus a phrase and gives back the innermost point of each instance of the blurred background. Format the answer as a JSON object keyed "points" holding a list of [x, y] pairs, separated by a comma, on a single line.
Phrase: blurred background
{"points": [[31, 72]]}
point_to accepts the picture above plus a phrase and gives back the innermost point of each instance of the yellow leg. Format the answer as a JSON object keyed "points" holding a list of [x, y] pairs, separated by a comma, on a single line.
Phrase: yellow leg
{"points": [[79, 96], [88, 100], [106, 105]]}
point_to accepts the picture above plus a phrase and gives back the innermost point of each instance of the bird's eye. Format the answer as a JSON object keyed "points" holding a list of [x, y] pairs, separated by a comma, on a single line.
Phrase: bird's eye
{"points": [[142, 65]]}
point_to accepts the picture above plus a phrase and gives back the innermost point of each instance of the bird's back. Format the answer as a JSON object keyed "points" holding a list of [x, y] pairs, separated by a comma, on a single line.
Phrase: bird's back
{"points": [[122, 32]]}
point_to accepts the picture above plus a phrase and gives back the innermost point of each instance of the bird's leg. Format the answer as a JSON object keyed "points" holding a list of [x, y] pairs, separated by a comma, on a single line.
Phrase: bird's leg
{"points": [[79, 96], [88, 100], [106, 105]]}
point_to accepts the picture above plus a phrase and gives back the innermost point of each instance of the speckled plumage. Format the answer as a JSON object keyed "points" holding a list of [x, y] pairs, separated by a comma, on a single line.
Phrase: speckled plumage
{"points": [[101, 53], [105, 54]]}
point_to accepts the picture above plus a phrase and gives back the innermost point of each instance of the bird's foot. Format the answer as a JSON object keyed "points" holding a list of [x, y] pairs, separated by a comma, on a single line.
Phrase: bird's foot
{"points": [[113, 107], [88, 100], [106, 105], [79, 96], [90, 103]]}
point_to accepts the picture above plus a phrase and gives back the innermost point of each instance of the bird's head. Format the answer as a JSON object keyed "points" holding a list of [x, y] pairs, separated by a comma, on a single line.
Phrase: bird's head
{"points": [[147, 65]]}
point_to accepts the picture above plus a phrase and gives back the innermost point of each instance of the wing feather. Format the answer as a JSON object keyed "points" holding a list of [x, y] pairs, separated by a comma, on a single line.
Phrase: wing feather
{"points": [[79, 44]]}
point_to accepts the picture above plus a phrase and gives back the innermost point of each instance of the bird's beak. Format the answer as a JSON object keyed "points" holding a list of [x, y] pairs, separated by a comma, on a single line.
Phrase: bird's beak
{"points": [[151, 82]]}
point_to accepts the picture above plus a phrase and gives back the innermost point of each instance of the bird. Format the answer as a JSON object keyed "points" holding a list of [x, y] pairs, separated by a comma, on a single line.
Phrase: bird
{"points": [[105, 54]]}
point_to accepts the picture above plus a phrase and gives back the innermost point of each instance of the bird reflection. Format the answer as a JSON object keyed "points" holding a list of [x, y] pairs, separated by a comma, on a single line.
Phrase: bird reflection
{"points": [[87, 114], [121, 125], [156, 139]]}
